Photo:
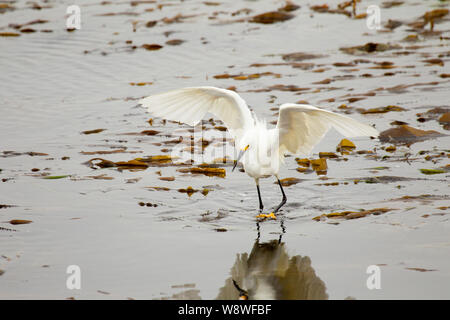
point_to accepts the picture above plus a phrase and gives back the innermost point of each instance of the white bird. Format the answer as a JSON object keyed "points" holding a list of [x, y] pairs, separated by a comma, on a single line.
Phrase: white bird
{"points": [[300, 127]]}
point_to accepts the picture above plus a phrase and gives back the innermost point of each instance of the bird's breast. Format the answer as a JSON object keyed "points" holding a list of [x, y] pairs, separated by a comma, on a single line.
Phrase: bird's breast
{"points": [[261, 164]]}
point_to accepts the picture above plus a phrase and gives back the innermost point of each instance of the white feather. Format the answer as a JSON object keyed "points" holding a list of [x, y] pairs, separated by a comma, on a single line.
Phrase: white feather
{"points": [[190, 105], [302, 126]]}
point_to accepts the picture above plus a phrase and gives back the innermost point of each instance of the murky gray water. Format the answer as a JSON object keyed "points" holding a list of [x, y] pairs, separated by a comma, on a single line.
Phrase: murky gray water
{"points": [[55, 85]]}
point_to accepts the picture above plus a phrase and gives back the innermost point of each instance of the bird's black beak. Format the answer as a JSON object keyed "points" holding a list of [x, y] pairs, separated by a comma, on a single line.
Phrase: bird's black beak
{"points": [[243, 295], [241, 153]]}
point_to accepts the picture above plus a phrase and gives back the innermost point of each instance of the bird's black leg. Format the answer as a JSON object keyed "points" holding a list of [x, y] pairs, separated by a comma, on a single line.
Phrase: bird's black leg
{"points": [[261, 206], [283, 230], [283, 201], [258, 228]]}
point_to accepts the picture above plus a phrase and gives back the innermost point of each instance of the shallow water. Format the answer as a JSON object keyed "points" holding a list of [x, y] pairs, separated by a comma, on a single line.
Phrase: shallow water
{"points": [[56, 85]]}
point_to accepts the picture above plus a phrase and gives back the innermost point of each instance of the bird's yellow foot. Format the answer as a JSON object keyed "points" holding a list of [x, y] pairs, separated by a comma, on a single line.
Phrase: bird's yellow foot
{"points": [[265, 216]]}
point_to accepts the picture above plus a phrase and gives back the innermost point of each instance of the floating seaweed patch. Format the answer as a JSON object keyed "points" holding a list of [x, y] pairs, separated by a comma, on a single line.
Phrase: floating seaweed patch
{"points": [[141, 84], [271, 17], [210, 3], [19, 221], [135, 164], [370, 47], [4, 206], [286, 182], [93, 131], [303, 162], [111, 14], [208, 171], [56, 177], [147, 204], [382, 179], [158, 188], [189, 191], [328, 184], [152, 47], [28, 30], [7, 154], [391, 4], [131, 164], [381, 110], [340, 9], [174, 42], [345, 146], [4, 7], [444, 120], [421, 269], [435, 15], [167, 178], [328, 155], [246, 76], [432, 114], [9, 34], [177, 18], [319, 166], [423, 198], [390, 149], [352, 214], [160, 159], [100, 177], [407, 134], [434, 62], [281, 87], [150, 24], [143, 133], [304, 170], [324, 81], [289, 7], [300, 56], [433, 171], [384, 65]]}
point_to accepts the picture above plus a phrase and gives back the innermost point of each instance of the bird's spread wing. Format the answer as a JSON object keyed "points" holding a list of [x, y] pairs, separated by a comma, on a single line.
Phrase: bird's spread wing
{"points": [[302, 126], [189, 105]]}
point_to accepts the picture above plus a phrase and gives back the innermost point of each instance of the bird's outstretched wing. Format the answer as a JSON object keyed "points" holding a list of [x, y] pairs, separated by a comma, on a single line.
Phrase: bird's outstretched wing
{"points": [[189, 105], [302, 126]]}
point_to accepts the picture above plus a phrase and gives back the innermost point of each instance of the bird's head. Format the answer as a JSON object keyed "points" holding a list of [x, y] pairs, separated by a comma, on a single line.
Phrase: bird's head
{"points": [[243, 295], [241, 153]]}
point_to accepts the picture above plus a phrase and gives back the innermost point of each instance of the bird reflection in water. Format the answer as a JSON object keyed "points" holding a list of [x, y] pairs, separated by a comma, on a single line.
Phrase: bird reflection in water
{"points": [[269, 273]]}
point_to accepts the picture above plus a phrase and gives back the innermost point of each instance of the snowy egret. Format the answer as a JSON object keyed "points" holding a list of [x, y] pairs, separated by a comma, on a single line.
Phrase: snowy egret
{"points": [[300, 127]]}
